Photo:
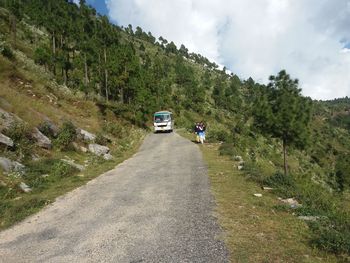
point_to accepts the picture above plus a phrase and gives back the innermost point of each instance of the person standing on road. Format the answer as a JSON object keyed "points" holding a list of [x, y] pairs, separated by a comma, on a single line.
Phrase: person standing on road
{"points": [[196, 131]]}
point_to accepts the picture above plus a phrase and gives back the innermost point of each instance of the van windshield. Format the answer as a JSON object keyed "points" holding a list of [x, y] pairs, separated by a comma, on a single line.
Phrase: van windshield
{"points": [[161, 117]]}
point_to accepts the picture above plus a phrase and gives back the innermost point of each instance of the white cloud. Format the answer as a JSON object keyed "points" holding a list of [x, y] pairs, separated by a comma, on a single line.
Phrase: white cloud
{"points": [[256, 38]]}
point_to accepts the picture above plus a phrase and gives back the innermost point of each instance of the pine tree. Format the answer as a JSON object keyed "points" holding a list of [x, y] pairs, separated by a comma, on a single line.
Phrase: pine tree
{"points": [[282, 112]]}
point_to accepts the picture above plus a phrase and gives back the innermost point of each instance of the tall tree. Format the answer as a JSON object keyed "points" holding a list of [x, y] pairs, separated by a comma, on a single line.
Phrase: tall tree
{"points": [[282, 112]]}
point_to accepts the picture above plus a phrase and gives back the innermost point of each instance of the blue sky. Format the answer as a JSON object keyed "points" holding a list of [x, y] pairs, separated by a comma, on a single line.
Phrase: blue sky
{"points": [[99, 5], [310, 39]]}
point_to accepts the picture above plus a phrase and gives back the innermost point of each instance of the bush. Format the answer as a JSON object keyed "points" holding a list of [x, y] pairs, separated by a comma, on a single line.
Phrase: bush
{"points": [[20, 134], [332, 234], [114, 129], [62, 169], [100, 139], [283, 184], [66, 136], [219, 135], [46, 128], [7, 52]]}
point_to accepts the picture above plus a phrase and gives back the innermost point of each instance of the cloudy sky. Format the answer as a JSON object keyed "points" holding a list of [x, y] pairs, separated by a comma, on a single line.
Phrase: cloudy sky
{"points": [[257, 38]]}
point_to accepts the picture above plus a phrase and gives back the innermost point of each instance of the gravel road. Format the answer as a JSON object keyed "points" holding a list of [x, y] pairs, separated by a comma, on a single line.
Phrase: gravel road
{"points": [[154, 207]]}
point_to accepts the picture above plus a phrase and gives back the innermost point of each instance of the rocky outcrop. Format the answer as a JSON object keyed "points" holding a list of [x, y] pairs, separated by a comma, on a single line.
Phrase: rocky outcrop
{"points": [[11, 166], [41, 139], [4, 140], [85, 135], [7, 119], [97, 149]]}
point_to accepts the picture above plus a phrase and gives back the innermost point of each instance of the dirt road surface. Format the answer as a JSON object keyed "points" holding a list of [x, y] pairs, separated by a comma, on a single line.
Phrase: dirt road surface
{"points": [[154, 207]]}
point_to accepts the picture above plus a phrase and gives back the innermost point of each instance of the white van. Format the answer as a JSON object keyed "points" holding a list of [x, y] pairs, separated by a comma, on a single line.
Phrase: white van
{"points": [[163, 121]]}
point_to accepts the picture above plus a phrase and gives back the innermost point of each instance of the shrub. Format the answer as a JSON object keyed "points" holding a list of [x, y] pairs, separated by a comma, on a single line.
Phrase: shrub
{"points": [[332, 234], [66, 136], [62, 169], [7, 52], [100, 139], [283, 184], [46, 128], [20, 134], [219, 135], [114, 129]]}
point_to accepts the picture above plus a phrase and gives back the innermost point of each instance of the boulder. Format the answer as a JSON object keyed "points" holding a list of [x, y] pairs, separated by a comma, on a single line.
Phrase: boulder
{"points": [[85, 135], [11, 166], [97, 149], [6, 140], [41, 139], [108, 157], [7, 119], [25, 188]]}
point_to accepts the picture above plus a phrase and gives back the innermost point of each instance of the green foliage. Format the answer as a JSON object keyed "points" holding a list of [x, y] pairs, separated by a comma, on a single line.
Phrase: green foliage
{"points": [[332, 233], [342, 172], [100, 139], [8, 53], [20, 133], [62, 169], [46, 129], [66, 136], [283, 112], [283, 184]]}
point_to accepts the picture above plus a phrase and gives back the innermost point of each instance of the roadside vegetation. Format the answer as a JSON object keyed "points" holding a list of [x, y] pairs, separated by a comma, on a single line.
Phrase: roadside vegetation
{"points": [[63, 64]]}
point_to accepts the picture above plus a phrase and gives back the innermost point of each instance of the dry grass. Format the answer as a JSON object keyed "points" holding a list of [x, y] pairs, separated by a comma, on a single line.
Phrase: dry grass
{"points": [[255, 230]]}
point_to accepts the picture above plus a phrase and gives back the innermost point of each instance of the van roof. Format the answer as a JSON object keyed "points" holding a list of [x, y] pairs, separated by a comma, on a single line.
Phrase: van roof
{"points": [[162, 112]]}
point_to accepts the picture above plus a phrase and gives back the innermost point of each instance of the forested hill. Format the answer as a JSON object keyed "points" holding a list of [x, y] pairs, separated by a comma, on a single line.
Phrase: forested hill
{"points": [[298, 146]]}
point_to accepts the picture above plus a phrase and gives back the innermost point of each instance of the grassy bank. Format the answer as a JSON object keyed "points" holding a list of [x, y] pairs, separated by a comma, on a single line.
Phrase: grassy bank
{"points": [[256, 230]]}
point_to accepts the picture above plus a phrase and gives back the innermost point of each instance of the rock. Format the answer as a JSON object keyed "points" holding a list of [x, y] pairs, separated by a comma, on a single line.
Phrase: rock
{"points": [[72, 163], [97, 149], [11, 166], [84, 149], [258, 195], [7, 119], [25, 188], [6, 140], [85, 135], [265, 188], [238, 158], [309, 218], [292, 202], [108, 157], [41, 139]]}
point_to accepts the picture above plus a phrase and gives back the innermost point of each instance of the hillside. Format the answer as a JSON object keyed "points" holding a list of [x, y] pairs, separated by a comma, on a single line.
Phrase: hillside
{"points": [[68, 66]]}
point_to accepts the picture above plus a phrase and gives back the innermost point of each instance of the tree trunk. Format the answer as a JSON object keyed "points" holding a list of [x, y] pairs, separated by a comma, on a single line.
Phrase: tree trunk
{"points": [[86, 79], [106, 73], [285, 156], [99, 74], [54, 53]]}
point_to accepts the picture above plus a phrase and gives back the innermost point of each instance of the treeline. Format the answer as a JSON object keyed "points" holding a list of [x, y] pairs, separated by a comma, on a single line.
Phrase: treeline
{"points": [[88, 53]]}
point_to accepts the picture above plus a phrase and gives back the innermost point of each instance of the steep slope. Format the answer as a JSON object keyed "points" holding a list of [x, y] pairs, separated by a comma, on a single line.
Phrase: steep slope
{"points": [[86, 70]]}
